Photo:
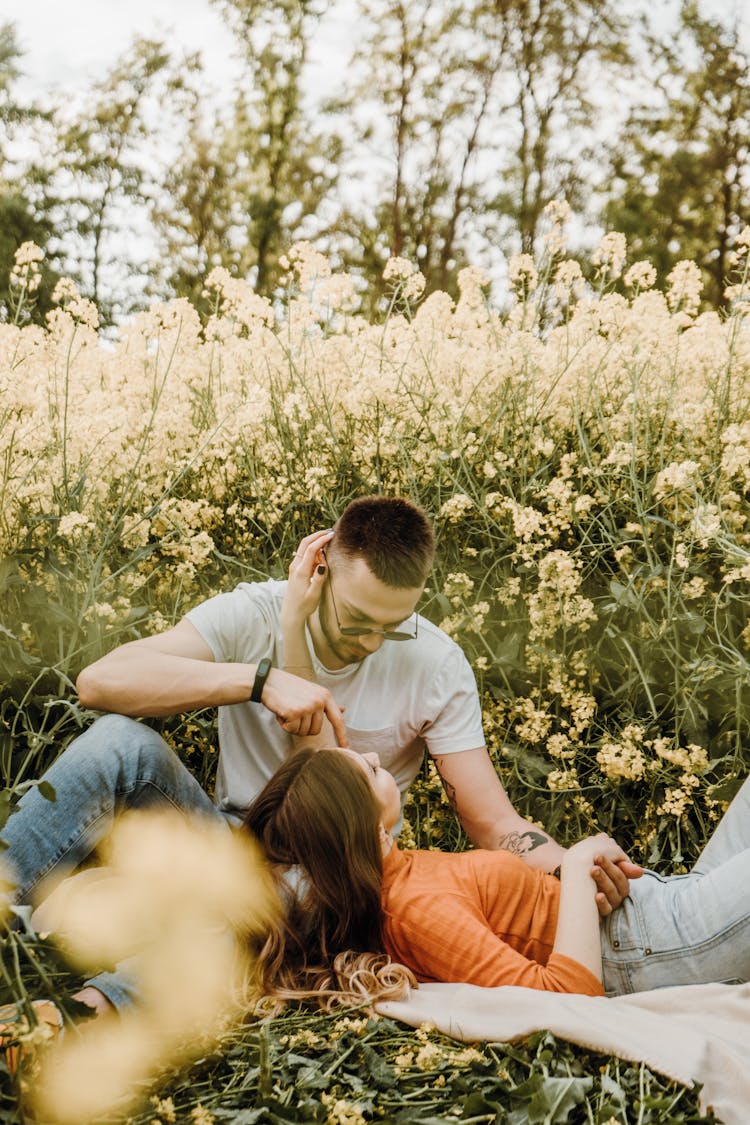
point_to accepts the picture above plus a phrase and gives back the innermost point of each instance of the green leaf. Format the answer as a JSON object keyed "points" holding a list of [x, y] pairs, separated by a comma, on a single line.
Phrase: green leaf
{"points": [[44, 788], [623, 595], [725, 790], [383, 1075], [311, 1078], [613, 1090], [557, 1096], [476, 1104], [47, 791]]}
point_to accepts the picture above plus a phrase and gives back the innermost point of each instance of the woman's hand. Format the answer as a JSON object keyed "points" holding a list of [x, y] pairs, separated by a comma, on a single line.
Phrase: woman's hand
{"points": [[307, 574], [592, 849], [578, 918], [322, 724], [608, 866]]}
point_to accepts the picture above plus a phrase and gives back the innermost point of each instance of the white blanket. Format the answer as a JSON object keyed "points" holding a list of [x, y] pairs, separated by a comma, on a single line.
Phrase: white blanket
{"points": [[695, 1033]]}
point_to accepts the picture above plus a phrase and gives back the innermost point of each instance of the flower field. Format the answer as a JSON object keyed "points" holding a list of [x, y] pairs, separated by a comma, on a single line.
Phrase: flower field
{"points": [[585, 454]]}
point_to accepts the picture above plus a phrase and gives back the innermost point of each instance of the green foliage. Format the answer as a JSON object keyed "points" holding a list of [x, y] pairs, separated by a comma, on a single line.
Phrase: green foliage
{"points": [[100, 164], [19, 224], [244, 185], [458, 124], [453, 80], [556, 55], [350, 1069], [680, 168], [21, 220]]}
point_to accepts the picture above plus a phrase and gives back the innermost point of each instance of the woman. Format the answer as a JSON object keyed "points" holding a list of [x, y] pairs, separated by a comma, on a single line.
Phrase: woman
{"points": [[478, 917]]}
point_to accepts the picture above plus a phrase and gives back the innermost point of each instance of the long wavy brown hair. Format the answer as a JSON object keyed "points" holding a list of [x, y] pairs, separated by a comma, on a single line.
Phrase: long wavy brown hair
{"points": [[318, 823]]}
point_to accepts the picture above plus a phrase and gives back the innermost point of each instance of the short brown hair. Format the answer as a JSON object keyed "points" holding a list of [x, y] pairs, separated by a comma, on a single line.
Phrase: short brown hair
{"points": [[393, 536]]}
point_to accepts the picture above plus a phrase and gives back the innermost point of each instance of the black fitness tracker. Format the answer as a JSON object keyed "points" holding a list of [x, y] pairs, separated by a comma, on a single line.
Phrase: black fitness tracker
{"points": [[261, 675]]}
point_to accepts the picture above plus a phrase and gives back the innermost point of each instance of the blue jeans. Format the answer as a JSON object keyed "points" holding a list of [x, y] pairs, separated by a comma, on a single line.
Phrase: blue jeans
{"points": [[117, 764], [687, 929]]}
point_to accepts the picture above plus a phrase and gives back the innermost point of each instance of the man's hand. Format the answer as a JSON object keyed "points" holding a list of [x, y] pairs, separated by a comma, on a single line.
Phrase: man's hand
{"points": [[300, 706], [612, 882]]}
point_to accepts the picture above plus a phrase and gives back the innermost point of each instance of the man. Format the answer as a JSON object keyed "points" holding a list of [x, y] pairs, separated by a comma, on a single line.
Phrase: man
{"points": [[388, 681]]}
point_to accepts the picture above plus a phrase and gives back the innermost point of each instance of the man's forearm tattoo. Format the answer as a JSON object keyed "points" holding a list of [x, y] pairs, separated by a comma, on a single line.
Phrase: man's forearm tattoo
{"points": [[450, 790], [521, 843]]}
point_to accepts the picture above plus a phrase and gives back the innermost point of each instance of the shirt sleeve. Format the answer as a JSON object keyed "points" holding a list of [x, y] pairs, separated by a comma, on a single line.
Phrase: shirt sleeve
{"points": [[238, 626], [443, 939], [454, 712]]}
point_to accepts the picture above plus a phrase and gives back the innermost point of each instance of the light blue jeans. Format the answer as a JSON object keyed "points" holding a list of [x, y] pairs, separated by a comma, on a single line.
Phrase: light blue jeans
{"points": [[687, 929], [117, 764]]}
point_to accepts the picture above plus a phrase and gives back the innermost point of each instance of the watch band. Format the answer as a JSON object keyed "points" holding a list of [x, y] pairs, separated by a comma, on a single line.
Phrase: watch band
{"points": [[261, 675]]}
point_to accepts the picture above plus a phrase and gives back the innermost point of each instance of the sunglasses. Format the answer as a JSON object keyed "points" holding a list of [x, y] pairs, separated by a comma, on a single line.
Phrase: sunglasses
{"points": [[363, 630]]}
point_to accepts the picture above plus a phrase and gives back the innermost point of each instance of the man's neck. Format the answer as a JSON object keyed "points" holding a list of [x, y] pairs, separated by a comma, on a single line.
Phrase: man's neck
{"points": [[321, 647]]}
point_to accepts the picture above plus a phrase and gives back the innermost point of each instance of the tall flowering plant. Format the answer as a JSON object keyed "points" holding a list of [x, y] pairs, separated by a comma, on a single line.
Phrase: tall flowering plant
{"points": [[584, 452]]}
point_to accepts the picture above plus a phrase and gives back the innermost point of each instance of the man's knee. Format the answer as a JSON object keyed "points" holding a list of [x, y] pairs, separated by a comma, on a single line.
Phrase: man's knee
{"points": [[120, 736], [115, 750]]}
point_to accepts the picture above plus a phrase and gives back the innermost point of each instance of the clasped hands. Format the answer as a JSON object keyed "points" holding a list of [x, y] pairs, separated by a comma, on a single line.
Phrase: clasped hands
{"points": [[609, 867]]}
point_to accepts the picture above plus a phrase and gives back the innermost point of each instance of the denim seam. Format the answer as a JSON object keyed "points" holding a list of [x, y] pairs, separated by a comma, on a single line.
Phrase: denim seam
{"points": [[140, 782], [60, 854], [703, 946]]}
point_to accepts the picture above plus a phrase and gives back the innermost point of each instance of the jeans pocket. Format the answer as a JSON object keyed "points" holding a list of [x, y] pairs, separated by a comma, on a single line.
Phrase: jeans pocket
{"points": [[622, 930]]}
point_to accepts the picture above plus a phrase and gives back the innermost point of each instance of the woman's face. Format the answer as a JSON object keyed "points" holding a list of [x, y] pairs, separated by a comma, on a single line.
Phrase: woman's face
{"points": [[382, 784]]}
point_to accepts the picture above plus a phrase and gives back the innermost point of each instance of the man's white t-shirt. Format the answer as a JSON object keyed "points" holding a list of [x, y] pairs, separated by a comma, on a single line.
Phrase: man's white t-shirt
{"points": [[404, 697]]}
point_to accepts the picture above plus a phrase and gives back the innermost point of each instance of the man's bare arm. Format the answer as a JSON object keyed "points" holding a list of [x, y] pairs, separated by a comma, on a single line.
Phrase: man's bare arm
{"points": [[489, 819], [175, 671], [484, 809], [163, 675]]}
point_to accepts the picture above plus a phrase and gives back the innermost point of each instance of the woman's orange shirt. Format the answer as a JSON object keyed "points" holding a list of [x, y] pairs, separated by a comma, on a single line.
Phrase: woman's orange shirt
{"points": [[477, 917]]}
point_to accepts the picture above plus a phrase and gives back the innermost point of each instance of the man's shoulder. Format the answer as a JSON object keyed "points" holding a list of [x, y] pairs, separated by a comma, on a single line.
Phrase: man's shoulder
{"points": [[271, 590], [430, 629], [434, 645], [270, 593], [241, 623], [239, 607]]}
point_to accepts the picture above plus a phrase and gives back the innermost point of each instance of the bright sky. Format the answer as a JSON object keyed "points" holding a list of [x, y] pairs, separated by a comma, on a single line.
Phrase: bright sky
{"points": [[72, 42], [69, 44]]}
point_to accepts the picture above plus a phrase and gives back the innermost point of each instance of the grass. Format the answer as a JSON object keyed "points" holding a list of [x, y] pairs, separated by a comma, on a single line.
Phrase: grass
{"points": [[351, 1069]]}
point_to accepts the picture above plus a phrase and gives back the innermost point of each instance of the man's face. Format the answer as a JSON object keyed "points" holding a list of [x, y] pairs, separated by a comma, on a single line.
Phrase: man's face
{"points": [[361, 600]]}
